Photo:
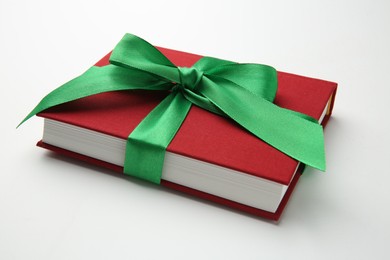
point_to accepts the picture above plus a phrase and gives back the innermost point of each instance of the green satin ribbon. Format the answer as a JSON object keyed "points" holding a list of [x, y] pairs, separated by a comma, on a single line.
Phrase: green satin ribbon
{"points": [[242, 92]]}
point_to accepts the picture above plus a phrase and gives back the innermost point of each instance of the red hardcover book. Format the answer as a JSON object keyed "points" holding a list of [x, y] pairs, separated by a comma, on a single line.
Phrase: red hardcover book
{"points": [[247, 174]]}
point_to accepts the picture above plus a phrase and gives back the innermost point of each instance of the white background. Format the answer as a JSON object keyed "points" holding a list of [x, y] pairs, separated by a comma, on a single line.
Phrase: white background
{"points": [[55, 208]]}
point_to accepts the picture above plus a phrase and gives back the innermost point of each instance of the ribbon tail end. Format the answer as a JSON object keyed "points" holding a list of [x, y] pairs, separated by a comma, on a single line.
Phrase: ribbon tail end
{"points": [[24, 120]]}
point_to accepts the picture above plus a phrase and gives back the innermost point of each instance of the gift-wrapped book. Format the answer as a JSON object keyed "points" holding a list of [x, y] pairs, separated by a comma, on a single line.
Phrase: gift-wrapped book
{"points": [[209, 155]]}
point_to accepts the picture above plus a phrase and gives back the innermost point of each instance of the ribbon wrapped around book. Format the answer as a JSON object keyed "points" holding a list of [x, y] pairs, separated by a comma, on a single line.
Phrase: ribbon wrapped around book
{"points": [[241, 92]]}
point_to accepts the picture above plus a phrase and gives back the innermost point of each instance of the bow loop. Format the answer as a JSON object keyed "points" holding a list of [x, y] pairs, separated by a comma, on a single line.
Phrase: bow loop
{"points": [[143, 56], [259, 79]]}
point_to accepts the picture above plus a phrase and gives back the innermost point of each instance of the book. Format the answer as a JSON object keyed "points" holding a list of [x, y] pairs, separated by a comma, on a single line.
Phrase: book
{"points": [[210, 157]]}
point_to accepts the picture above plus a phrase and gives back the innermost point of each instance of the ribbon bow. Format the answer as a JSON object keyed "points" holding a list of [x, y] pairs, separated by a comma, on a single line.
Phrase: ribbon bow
{"points": [[242, 92]]}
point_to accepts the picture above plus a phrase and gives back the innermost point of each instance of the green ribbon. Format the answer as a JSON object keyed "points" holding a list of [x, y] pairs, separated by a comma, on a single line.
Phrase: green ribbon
{"points": [[242, 92]]}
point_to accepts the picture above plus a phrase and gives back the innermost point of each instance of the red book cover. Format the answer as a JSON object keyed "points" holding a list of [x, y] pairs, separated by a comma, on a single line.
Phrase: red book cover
{"points": [[203, 135]]}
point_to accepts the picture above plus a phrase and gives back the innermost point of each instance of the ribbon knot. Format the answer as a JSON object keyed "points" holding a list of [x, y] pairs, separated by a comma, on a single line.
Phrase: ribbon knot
{"points": [[241, 92], [189, 77]]}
